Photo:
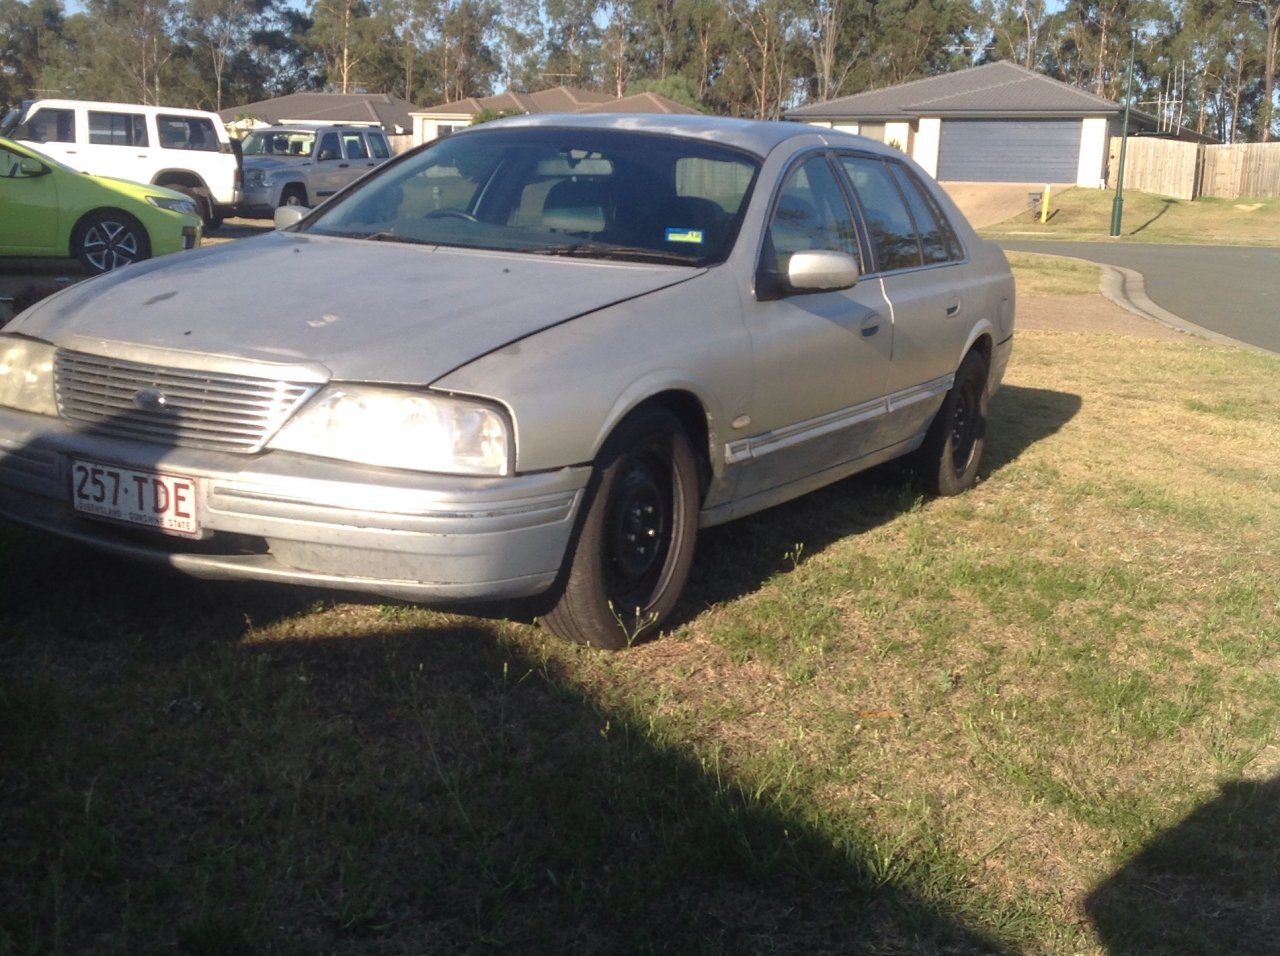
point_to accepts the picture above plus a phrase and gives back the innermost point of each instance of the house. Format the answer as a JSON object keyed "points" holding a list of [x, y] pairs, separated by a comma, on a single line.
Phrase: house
{"points": [[354, 109], [994, 123], [447, 118]]}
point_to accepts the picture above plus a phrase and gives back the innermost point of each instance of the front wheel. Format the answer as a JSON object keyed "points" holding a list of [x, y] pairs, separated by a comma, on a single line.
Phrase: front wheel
{"points": [[293, 196], [634, 548], [948, 461], [107, 240]]}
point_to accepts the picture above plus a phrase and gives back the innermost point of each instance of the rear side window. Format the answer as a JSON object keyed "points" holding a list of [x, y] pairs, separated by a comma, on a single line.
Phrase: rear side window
{"points": [[378, 146], [355, 146], [117, 129], [187, 132], [48, 125], [937, 242], [894, 242]]}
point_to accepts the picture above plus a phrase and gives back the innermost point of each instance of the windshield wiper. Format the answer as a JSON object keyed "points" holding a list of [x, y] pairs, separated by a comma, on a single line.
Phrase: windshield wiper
{"points": [[605, 250]]}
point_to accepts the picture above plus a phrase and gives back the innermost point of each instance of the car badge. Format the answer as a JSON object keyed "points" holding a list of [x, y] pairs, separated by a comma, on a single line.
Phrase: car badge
{"points": [[150, 399]]}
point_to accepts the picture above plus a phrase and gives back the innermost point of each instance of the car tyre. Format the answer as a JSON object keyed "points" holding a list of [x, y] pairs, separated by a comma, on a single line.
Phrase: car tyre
{"points": [[635, 543], [293, 196], [108, 239], [947, 463], [203, 204]]}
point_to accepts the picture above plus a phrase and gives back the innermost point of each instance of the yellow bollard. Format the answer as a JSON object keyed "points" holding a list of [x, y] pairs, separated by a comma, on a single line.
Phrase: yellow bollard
{"points": [[1044, 205]]}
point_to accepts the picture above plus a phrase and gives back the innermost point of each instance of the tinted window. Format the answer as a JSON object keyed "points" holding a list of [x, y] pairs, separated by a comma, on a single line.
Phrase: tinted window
{"points": [[181, 132], [378, 146], [329, 148], [117, 129], [889, 226], [937, 241], [811, 213], [355, 146], [49, 126]]}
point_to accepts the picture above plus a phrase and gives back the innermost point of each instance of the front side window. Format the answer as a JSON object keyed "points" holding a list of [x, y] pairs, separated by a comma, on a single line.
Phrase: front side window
{"points": [[48, 125], [894, 242], [811, 213], [117, 129], [329, 148], [579, 192]]}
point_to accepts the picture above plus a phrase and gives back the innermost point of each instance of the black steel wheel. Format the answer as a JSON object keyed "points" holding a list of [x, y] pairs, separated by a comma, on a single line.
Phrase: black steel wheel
{"points": [[634, 547], [948, 460]]}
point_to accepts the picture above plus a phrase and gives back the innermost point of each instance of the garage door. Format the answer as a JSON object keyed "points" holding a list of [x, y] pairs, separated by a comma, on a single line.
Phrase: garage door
{"points": [[1011, 151]]}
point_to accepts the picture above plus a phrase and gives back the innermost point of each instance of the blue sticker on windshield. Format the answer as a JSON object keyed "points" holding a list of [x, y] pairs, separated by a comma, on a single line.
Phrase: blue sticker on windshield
{"points": [[685, 235]]}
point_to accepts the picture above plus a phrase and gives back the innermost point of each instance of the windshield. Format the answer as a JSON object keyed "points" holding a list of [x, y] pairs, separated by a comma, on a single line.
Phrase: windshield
{"points": [[583, 192], [278, 143]]}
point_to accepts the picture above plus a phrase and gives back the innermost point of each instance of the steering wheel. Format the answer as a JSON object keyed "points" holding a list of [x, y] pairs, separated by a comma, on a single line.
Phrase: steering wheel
{"points": [[451, 214]]}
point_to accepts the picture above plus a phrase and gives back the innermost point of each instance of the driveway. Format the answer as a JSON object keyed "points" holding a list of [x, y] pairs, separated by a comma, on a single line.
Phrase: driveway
{"points": [[1230, 292]]}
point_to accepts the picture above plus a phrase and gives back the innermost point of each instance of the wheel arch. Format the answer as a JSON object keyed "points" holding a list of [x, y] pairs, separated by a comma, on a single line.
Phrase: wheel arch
{"points": [[98, 211], [174, 178], [689, 411]]}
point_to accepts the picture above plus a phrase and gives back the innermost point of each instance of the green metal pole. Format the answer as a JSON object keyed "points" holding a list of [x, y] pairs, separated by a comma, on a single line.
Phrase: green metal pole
{"points": [[1117, 206]]}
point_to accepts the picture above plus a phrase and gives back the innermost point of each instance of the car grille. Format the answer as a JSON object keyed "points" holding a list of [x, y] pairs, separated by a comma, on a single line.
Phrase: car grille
{"points": [[178, 407]]}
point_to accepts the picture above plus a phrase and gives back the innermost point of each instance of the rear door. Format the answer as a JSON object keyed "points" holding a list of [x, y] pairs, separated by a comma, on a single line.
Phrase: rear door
{"points": [[118, 145], [923, 271]]}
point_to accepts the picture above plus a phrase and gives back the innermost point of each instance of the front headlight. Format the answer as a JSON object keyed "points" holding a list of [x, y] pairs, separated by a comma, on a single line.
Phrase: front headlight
{"points": [[255, 178], [26, 375], [401, 429], [184, 206]]}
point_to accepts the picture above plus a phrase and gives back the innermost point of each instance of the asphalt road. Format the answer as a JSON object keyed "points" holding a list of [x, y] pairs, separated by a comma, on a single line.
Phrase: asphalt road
{"points": [[1231, 290]]}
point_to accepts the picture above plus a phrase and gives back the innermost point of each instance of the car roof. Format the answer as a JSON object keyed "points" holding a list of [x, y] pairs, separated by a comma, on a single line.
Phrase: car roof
{"points": [[755, 136]]}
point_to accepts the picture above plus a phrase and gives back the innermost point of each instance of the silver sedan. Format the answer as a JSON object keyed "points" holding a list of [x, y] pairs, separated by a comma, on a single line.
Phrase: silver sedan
{"points": [[530, 360]]}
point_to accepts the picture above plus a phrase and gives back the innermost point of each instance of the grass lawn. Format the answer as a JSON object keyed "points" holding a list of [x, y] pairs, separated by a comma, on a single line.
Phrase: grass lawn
{"points": [[1086, 214], [1041, 717]]}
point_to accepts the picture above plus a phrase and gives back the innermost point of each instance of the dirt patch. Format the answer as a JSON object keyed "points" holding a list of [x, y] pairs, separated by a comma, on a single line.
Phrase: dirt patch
{"points": [[985, 204], [1088, 313]]}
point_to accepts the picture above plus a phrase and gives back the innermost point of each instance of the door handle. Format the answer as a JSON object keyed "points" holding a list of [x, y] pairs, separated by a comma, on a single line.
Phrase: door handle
{"points": [[871, 324], [953, 309]]}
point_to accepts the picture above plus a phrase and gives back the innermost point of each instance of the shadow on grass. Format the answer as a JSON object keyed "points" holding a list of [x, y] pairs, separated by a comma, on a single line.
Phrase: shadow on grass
{"points": [[1165, 206], [173, 780], [1208, 885], [737, 558], [425, 789]]}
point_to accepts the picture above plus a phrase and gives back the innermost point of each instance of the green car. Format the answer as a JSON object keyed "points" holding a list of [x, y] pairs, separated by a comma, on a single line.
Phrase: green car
{"points": [[47, 209]]}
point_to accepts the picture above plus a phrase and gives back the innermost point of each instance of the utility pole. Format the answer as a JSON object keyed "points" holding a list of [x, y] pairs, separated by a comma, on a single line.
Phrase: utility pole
{"points": [[1117, 206]]}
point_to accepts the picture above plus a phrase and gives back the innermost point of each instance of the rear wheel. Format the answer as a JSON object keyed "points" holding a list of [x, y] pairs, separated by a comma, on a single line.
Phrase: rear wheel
{"points": [[634, 548], [948, 460], [108, 239], [204, 207]]}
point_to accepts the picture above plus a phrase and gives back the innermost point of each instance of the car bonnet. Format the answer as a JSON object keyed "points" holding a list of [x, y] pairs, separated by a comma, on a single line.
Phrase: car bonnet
{"points": [[350, 310]]}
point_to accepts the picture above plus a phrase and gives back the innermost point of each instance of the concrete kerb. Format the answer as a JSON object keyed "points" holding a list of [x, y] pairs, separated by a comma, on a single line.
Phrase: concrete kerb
{"points": [[1127, 288]]}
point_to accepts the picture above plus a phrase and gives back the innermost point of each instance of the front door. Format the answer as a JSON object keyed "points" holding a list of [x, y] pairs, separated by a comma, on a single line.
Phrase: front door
{"points": [[821, 359]]}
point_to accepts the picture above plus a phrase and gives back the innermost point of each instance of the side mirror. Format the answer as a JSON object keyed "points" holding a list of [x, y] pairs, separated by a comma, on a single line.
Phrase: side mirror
{"points": [[29, 167], [326, 155], [286, 216], [810, 270], [820, 270]]}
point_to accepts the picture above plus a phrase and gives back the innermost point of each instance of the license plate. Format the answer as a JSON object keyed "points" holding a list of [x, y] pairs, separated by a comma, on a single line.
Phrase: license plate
{"points": [[162, 501]]}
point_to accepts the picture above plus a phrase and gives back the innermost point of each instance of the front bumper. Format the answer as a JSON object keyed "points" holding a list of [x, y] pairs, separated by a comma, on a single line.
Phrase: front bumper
{"points": [[299, 520], [258, 202]]}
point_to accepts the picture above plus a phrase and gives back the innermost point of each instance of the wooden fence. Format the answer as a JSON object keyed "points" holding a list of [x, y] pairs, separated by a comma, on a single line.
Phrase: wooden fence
{"points": [[1187, 170]]}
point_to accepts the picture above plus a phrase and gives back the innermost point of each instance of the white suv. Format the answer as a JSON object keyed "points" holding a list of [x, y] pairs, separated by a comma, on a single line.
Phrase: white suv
{"points": [[186, 150]]}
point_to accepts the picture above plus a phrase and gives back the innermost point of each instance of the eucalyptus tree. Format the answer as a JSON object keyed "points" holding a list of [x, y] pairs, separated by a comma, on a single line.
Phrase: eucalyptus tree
{"points": [[31, 37]]}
